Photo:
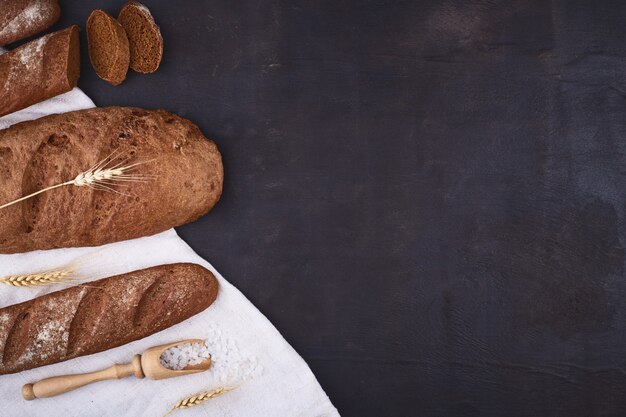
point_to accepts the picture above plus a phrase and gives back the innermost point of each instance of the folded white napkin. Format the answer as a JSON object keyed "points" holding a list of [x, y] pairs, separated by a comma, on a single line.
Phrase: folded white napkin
{"points": [[248, 352]]}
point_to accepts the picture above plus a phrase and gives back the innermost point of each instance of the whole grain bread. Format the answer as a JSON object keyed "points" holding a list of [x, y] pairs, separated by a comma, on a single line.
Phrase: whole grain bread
{"points": [[108, 47], [144, 37], [39, 69], [20, 19], [111, 312], [186, 168]]}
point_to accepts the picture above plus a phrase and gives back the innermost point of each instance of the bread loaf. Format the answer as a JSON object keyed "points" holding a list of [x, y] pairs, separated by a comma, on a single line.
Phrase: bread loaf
{"points": [[144, 37], [108, 313], [38, 70], [185, 168], [108, 47], [20, 19]]}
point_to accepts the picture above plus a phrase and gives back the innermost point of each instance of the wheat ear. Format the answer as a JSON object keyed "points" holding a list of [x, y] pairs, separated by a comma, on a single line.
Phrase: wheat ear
{"points": [[42, 278], [199, 398], [77, 272], [102, 176]]}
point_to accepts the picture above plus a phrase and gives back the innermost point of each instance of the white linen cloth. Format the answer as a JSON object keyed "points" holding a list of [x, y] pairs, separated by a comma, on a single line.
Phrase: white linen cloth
{"points": [[277, 382]]}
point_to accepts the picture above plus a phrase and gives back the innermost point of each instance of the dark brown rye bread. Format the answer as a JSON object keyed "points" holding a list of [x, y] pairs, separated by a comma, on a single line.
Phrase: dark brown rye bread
{"points": [[38, 70], [108, 313], [187, 183], [108, 47], [144, 37], [20, 19]]}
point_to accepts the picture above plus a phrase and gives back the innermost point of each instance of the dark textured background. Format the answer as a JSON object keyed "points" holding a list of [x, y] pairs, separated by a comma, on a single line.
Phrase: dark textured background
{"points": [[425, 197]]}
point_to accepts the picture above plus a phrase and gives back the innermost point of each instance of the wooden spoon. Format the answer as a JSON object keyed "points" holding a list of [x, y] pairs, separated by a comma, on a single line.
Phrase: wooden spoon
{"points": [[148, 364]]}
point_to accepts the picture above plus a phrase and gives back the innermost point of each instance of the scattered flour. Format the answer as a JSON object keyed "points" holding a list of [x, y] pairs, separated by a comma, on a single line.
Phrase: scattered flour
{"points": [[131, 295], [46, 336], [48, 332], [143, 8], [30, 54], [29, 60], [31, 15]]}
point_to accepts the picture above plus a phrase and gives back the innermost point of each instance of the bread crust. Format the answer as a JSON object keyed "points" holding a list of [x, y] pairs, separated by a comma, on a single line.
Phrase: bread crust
{"points": [[20, 19], [110, 312], [186, 168], [38, 70]]}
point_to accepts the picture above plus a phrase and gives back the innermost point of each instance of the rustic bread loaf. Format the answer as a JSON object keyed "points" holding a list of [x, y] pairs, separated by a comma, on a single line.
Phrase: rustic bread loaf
{"points": [[38, 70], [108, 313], [187, 182], [108, 47], [20, 19], [144, 37]]}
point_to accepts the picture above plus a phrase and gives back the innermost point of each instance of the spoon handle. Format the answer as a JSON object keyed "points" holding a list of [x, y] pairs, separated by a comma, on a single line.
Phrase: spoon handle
{"points": [[50, 387]]}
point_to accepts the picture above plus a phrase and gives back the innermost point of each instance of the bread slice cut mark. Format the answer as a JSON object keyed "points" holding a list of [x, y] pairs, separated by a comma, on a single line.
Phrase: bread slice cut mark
{"points": [[144, 37], [73, 58], [108, 47]]}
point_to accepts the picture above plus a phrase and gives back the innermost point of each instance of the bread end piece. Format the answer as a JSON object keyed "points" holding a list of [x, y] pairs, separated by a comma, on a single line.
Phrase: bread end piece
{"points": [[108, 47], [144, 37], [73, 58], [40, 69]]}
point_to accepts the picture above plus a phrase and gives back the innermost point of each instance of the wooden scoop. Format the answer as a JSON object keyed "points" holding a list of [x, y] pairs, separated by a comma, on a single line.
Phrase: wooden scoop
{"points": [[148, 364]]}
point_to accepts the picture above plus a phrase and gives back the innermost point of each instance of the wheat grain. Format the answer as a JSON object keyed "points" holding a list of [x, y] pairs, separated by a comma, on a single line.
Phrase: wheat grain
{"points": [[42, 278], [102, 176], [199, 398]]}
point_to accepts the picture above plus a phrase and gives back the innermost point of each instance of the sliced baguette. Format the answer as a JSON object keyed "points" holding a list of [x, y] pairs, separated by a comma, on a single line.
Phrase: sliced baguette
{"points": [[108, 47], [144, 37]]}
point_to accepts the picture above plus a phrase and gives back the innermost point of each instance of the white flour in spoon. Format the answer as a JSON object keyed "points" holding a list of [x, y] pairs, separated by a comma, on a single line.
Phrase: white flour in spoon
{"points": [[230, 365]]}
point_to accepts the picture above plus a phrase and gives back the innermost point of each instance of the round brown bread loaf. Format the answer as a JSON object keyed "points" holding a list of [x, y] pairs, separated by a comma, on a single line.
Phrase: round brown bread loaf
{"points": [[111, 312], [185, 177], [144, 37], [108, 47], [20, 19]]}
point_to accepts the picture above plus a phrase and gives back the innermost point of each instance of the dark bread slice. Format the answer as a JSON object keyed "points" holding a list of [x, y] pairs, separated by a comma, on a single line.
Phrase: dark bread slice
{"points": [[108, 47], [20, 19], [107, 313], [187, 169], [39, 69], [144, 37]]}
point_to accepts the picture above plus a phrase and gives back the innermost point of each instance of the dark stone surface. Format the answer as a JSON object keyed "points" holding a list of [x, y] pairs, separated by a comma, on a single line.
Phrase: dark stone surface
{"points": [[425, 197]]}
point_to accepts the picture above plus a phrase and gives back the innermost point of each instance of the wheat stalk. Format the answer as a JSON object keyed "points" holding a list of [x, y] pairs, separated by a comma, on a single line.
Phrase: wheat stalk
{"points": [[199, 398], [74, 273], [102, 176], [41, 278]]}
